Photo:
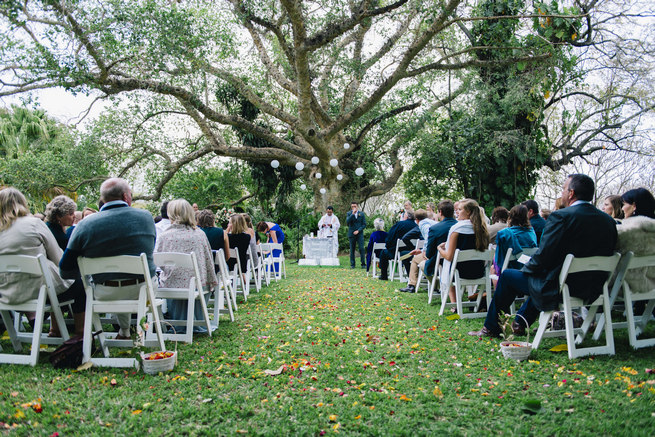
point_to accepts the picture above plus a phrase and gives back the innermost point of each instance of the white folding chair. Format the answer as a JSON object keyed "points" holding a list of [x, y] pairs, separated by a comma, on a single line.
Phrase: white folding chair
{"points": [[509, 257], [397, 263], [599, 264], [279, 260], [263, 249], [241, 285], [192, 293], [435, 280], [461, 284], [254, 270], [428, 280], [375, 259], [144, 304], [224, 293], [635, 324], [45, 302]]}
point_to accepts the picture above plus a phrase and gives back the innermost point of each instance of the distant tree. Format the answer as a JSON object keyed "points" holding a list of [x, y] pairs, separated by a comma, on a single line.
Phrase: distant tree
{"points": [[43, 158]]}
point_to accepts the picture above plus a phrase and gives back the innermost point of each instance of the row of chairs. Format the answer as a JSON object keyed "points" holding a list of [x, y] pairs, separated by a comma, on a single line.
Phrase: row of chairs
{"points": [[148, 304], [574, 336]]}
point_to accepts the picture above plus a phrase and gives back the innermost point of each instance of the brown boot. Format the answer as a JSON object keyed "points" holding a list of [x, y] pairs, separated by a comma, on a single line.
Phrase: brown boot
{"points": [[79, 324]]}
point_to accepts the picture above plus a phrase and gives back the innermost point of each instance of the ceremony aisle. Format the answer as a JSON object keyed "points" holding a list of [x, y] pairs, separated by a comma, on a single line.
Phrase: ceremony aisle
{"points": [[329, 351]]}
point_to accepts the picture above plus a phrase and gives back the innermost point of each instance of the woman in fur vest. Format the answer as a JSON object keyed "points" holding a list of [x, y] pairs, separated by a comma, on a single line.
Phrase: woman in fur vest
{"points": [[637, 234]]}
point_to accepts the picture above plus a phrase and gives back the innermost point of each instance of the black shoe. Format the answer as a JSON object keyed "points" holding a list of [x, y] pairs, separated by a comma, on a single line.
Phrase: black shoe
{"points": [[518, 329], [352, 267], [409, 289], [364, 266], [381, 278]]}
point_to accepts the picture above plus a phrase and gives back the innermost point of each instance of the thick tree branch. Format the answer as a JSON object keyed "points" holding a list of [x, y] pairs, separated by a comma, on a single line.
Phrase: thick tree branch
{"points": [[383, 117]]}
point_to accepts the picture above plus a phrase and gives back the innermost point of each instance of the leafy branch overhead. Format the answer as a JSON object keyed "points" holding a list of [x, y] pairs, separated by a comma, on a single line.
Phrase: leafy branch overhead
{"points": [[319, 73]]}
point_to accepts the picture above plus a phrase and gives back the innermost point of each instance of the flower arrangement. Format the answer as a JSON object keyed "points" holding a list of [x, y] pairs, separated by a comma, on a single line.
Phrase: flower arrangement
{"points": [[223, 216]]}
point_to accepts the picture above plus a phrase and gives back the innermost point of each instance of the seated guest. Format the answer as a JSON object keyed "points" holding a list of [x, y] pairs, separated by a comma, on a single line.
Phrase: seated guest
{"points": [[239, 239], [183, 236], [470, 232], [419, 233], [250, 230], [519, 235], [499, 218], [117, 229], [163, 224], [545, 213], [431, 208], [638, 201], [437, 234], [87, 211], [60, 214], [378, 236], [637, 234], [424, 223], [536, 221], [559, 204], [579, 229], [216, 236], [395, 234], [407, 206], [78, 216], [613, 205], [23, 234]]}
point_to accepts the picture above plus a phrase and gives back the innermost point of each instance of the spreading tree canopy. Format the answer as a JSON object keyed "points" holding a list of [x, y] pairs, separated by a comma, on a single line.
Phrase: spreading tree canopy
{"points": [[316, 74]]}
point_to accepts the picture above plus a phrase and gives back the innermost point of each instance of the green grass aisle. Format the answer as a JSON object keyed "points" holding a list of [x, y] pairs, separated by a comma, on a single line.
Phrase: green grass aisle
{"points": [[356, 358]]}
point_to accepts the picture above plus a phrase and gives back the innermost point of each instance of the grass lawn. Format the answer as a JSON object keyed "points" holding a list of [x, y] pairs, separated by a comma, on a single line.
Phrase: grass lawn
{"points": [[359, 359]]}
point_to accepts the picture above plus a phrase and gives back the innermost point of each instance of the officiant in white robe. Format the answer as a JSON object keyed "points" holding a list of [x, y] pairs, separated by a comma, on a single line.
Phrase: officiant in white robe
{"points": [[328, 227]]}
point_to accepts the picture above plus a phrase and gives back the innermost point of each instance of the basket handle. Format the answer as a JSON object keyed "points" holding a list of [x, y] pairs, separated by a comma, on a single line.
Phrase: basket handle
{"points": [[527, 328]]}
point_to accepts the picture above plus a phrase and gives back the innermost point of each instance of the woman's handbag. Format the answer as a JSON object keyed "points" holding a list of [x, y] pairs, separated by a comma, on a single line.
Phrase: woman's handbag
{"points": [[69, 355]]}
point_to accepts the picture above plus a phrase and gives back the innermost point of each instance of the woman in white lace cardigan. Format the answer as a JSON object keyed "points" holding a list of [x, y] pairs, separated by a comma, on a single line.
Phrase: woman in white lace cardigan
{"points": [[183, 236]]}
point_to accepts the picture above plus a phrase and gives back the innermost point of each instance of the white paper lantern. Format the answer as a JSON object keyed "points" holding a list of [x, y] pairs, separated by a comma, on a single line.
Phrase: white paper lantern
{"points": [[323, 190], [346, 146], [314, 160], [339, 177], [359, 171], [299, 166], [275, 163], [303, 187], [318, 175], [334, 162]]}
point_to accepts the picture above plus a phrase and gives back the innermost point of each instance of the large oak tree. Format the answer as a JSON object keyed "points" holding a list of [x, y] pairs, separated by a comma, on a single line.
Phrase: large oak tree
{"points": [[319, 74]]}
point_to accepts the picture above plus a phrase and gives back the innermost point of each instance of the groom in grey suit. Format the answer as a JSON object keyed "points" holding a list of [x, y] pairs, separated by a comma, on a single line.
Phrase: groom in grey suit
{"points": [[580, 229]]}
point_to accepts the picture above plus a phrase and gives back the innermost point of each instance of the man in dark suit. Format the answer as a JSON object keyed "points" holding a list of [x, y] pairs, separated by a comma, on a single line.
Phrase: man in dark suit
{"points": [[576, 229], [536, 221], [395, 234], [356, 221], [437, 234]]}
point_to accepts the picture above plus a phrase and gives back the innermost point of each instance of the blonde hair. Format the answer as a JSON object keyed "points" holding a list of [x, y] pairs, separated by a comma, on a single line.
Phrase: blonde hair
{"points": [[238, 224], [248, 220], [12, 206], [479, 224], [181, 212]]}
